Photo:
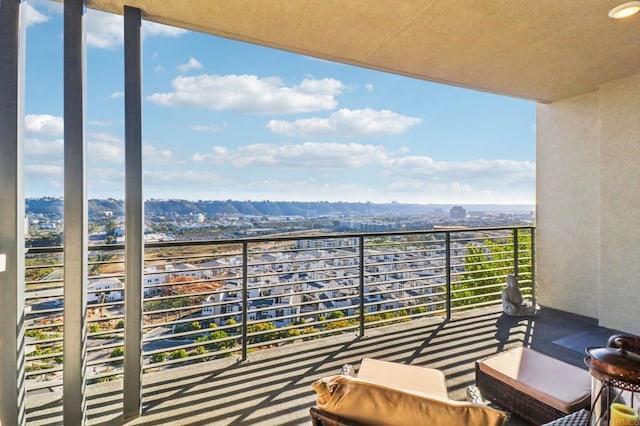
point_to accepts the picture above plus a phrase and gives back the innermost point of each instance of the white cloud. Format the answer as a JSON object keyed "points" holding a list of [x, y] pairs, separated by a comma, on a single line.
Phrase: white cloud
{"points": [[369, 87], [105, 153], [180, 178], [33, 16], [153, 29], [44, 170], [100, 123], [44, 149], [108, 148], [44, 124], [105, 182], [346, 122], [192, 64], [305, 155], [431, 187], [155, 58], [396, 172], [325, 86], [424, 167], [475, 181], [48, 5], [106, 30], [155, 156], [250, 94], [116, 95], [105, 148], [304, 189], [213, 128]]}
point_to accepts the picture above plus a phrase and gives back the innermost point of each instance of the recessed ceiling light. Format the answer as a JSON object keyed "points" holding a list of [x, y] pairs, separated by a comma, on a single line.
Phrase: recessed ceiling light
{"points": [[624, 10]]}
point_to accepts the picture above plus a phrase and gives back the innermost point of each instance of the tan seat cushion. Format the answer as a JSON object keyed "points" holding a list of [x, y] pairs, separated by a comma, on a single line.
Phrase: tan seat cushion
{"points": [[553, 382], [370, 403], [404, 377]]}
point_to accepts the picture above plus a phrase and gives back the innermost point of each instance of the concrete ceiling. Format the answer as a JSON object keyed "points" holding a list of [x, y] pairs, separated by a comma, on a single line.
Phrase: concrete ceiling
{"points": [[544, 50]]}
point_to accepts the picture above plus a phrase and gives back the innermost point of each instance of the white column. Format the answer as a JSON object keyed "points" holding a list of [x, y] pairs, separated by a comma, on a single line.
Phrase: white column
{"points": [[12, 386], [75, 217], [134, 214]]}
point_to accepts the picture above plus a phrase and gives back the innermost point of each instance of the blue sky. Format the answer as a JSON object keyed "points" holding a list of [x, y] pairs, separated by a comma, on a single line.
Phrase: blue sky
{"points": [[229, 120]]}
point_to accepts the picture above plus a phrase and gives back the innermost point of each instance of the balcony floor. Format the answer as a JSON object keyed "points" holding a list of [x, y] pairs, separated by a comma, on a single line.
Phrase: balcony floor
{"points": [[274, 386]]}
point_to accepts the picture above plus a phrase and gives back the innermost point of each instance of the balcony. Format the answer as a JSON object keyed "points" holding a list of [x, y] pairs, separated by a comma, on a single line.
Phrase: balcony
{"points": [[296, 306], [584, 72], [236, 331], [273, 385]]}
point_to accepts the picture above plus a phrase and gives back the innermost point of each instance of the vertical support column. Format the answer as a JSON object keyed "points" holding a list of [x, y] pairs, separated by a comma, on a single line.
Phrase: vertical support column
{"points": [[361, 287], [245, 299], [12, 47], [447, 257], [75, 217], [134, 215]]}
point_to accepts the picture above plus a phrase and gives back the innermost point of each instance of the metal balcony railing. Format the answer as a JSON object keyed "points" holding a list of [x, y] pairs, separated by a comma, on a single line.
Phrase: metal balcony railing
{"points": [[210, 299]]}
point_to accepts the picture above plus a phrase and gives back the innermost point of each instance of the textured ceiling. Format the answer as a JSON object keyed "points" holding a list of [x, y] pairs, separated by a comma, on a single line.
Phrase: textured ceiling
{"points": [[543, 50]]}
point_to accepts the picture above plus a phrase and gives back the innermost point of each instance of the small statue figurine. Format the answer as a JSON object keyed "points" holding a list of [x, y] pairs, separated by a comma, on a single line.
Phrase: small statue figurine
{"points": [[512, 302]]}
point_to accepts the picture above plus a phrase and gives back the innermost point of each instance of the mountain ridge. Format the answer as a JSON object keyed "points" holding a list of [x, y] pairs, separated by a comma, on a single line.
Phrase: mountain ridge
{"points": [[157, 207]]}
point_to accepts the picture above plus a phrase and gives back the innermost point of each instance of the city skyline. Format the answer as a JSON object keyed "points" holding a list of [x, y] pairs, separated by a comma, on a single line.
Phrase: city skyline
{"points": [[229, 120]]}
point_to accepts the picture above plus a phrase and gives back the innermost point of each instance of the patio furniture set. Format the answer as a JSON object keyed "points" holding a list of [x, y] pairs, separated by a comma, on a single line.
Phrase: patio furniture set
{"points": [[521, 381]]}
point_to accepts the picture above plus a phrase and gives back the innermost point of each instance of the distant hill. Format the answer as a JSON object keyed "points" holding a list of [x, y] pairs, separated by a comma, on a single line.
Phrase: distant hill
{"points": [[154, 207]]}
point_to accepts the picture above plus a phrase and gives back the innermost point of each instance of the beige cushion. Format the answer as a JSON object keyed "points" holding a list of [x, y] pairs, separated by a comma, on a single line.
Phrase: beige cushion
{"points": [[404, 377], [553, 382], [370, 403]]}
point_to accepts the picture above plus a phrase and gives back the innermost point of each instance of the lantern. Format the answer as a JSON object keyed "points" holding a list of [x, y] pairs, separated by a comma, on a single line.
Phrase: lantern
{"points": [[615, 383]]}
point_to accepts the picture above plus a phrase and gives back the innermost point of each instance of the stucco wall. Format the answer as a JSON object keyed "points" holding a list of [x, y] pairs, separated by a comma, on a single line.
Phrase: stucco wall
{"points": [[588, 204], [620, 183], [568, 204]]}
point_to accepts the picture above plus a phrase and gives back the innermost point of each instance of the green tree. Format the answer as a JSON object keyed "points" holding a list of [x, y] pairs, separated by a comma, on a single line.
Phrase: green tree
{"points": [[110, 228], [179, 353], [260, 327], [159, 357], [486, 266], [336, 315], [199, 350], [117, 352], [217, 335], [231, 321]]}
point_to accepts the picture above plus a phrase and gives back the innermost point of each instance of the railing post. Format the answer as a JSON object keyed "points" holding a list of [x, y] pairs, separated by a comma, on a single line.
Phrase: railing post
{"points": [[361, 287], [134, 215], [448, 272], [533, 266], [12, 282], [516, 260], [245, 299]]}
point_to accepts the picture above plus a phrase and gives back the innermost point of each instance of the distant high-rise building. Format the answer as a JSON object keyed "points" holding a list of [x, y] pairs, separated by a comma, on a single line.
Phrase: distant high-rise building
{"points": [[457, 212]]}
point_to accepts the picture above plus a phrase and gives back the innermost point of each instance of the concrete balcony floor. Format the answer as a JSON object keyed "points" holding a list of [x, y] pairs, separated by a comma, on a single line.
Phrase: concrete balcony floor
{"points": [[274, 386]]}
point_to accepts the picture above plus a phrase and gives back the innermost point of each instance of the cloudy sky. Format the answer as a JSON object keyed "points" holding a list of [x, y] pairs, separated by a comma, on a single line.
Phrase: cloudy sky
{"points": [[228, 120]]}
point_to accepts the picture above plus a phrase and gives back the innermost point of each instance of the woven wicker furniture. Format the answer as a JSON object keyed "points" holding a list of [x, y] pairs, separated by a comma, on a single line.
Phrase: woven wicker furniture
{"points": [[319, 417], [532, 385], [579, 418]]}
